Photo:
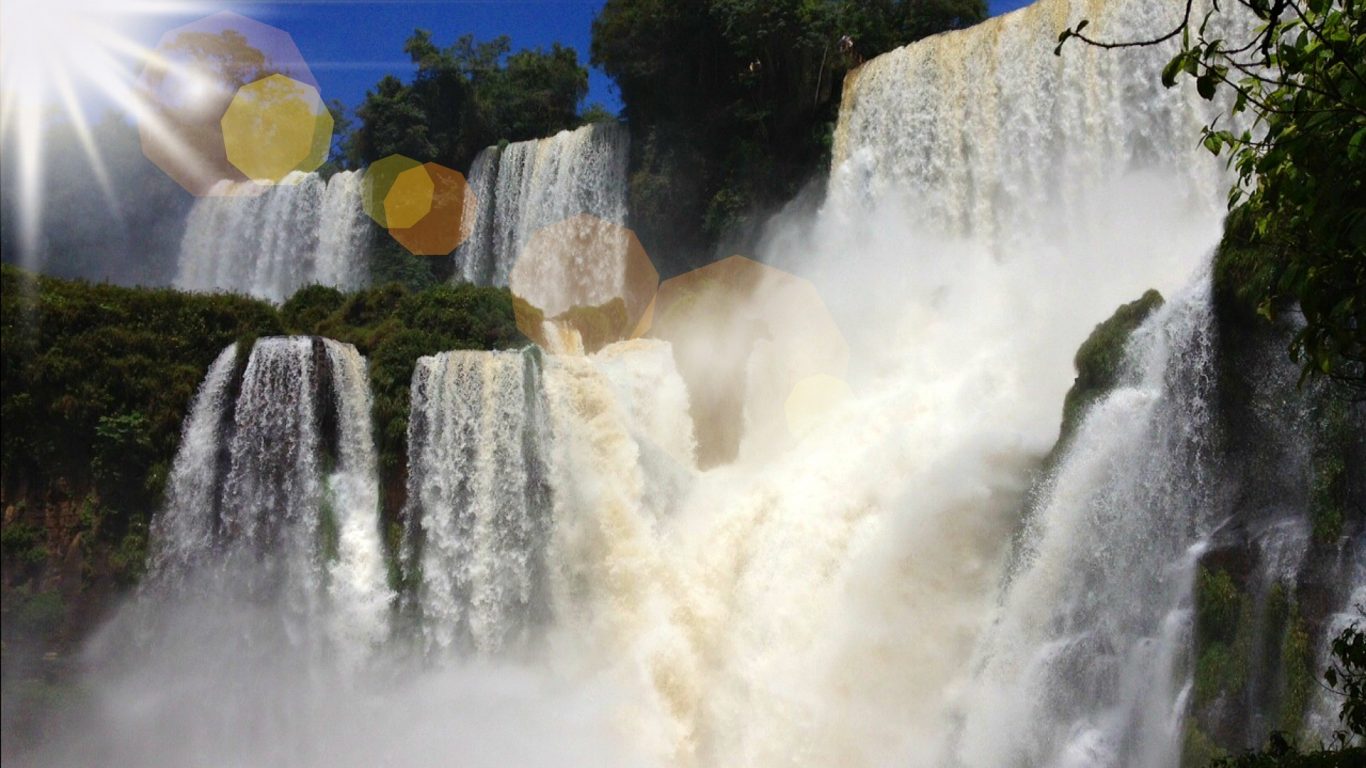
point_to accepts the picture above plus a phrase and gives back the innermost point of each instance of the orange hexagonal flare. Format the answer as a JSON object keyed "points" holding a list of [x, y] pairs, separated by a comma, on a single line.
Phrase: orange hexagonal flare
{"points": [[582, 282], [812, 399], [449, 221], [275, 126], [744, 335], [409, 199], [189, 82]]}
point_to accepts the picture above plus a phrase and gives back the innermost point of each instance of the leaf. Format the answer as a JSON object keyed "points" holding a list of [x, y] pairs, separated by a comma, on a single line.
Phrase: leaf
{"points": [[1355, 143], [1205, 85], [1170, 71]]}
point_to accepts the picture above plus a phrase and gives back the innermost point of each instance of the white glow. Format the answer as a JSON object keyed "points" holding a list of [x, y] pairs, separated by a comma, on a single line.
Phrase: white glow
{"points": [[55, 56]]}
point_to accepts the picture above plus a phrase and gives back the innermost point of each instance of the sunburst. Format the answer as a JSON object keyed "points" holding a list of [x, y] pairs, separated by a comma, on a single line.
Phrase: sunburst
{"points": [[57, 57]]}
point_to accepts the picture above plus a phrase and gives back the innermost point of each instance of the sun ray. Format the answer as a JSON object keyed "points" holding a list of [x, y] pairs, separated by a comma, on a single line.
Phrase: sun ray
{"points": [[81, 126]]}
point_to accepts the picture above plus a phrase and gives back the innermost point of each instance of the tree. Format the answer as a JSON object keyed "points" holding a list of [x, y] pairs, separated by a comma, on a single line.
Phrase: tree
{"points": [[1295, 134], [392, 121], [536, 93]]}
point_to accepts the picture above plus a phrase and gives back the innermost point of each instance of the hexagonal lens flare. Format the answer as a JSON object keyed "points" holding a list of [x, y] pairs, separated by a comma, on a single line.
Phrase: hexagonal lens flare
{"points": [[380, 179], [812, 399], [410, 198], [582, 283], [745, 336], [449, 219], [190, 81], [275, 126]]}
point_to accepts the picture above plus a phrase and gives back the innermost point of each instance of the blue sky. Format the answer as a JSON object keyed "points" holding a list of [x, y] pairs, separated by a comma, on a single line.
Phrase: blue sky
{"points": [[351, 44]]}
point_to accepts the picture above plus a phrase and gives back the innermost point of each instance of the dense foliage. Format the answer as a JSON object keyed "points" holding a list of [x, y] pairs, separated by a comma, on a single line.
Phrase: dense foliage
{"points": [[1296, 137], [96, 380], [393, 326], [732, 103], [466, 97]]}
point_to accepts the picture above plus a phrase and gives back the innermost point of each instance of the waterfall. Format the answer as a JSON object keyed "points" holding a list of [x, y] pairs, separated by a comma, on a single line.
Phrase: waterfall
{"points": [[275, 488], [525, 186], [914, 577], [478, 498], [987, 133], [269, 243], [1083, 664]]}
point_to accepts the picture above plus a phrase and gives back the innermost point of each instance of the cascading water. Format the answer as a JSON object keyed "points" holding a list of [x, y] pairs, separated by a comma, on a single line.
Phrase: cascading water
{"points": [[525, 186], [275, 488], [1083, 663], [860, 593], [993, 137], [269, 243], [478, 509]]}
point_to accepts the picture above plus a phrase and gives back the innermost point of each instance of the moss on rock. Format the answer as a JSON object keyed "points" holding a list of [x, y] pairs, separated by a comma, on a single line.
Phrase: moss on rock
{"points": [[1099, 360], [1297, 665]]}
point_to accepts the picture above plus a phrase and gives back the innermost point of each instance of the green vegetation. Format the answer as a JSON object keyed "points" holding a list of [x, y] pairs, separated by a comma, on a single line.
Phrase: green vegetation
{"points": [[1217, 605], [1100, 358], [732, 103], [1197, 748], [22, 546], [394, 326], [1224, 634], [97, 380], [1346, 677], [1296, 137], [1328, 491], [33, 614], [1297, 664]]}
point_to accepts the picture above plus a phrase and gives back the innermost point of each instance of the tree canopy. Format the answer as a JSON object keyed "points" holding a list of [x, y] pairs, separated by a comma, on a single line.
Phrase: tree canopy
{"points": [[465, 97]]}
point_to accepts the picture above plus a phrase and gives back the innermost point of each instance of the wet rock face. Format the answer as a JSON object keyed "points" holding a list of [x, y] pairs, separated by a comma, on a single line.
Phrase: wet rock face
{"points": [[1281, 567]]}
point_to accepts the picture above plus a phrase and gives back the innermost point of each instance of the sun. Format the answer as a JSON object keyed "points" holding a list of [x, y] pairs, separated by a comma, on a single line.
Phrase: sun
{"points": [[61, 57]]}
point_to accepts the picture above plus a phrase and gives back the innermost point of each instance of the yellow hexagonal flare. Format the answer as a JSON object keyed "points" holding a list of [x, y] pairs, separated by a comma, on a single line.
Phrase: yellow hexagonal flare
{"points": [[379, 179], [275, 126], [410, 198]]}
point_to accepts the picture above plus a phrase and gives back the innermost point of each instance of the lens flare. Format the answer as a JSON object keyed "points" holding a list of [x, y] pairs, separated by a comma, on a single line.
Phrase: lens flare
{"points": [[58, 58]]}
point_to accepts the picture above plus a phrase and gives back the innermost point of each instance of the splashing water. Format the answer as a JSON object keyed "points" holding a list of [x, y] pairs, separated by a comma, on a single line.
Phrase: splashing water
{"points": [[274, 491]]}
